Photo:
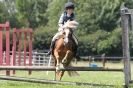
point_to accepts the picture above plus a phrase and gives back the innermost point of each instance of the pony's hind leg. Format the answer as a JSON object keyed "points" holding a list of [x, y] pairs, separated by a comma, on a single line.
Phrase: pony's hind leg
{"points": [[57, 65]]}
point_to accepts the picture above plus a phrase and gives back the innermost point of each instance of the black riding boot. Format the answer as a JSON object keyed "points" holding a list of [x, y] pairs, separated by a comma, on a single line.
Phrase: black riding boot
{"points": [[51, 48], [75, 53]]}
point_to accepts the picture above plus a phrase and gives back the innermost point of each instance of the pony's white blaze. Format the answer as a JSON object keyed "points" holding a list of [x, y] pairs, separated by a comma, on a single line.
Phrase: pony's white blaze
{"points": [[67, 31]]}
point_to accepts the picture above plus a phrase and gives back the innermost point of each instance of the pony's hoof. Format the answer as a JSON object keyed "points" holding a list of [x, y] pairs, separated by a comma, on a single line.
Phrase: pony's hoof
{"points": [[57, 68]]}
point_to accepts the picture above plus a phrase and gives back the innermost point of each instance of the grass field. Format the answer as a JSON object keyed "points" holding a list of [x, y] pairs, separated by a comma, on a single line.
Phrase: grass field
{"points": [[104, 79]]}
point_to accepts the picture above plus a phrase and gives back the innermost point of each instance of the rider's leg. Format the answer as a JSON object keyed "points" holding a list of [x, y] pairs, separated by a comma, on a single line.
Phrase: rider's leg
{"points": [[51, 47], [76, 47], [53, 43]]}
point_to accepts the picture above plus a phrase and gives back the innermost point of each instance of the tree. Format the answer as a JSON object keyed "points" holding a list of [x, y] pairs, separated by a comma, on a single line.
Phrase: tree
{"points": [[32, 12], [8, 13], [55, 8], [97, 21], [98, 14], [3, 13]]}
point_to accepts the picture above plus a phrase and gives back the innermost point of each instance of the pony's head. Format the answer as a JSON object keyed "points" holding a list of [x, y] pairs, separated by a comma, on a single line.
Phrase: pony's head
{"points": [[70, 26]]}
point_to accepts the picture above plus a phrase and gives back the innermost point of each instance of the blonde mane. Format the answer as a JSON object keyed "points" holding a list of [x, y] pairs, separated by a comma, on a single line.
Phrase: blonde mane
{"points": [[71, 24]]}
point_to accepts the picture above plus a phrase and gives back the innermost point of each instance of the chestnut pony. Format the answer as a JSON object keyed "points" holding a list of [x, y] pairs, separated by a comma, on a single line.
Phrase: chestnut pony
{"points": [[63, 50]]}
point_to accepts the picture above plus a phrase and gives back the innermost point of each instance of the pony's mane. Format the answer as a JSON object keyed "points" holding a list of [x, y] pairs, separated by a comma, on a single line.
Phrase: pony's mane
{"points": [[71, 24]]}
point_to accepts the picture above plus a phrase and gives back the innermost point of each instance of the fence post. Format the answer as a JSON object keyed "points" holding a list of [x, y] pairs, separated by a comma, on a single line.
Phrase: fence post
{"points": [[103, 60], [19, 33], [90, 60], [7, 46], [5, 27], [125, 43], [30, 49], [14, 49], [1, 46], [25, 47]]}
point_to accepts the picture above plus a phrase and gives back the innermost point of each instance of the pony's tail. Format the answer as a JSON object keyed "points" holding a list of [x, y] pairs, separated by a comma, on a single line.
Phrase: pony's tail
{"points": [[72, 73]]}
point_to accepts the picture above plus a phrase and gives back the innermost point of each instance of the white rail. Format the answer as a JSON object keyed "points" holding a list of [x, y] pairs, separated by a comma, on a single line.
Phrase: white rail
{"points": [[38, 59]]}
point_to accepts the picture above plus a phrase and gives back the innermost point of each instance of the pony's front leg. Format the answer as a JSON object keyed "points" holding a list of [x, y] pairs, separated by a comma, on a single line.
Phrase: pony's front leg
{"points": [[58, 72], [65, 58], [58, 64], [57, 60]]}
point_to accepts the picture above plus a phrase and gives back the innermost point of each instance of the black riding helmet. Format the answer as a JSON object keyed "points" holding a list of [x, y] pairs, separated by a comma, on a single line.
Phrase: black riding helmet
{"points": [[69, 5]]}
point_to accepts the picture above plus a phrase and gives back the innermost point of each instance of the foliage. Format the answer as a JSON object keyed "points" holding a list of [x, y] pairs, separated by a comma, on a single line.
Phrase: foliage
{"points": [[101, 42], [3, 12], [129, 3], [42, 38], [98, 14], [99, 30], [55, 8], [32, 12]]}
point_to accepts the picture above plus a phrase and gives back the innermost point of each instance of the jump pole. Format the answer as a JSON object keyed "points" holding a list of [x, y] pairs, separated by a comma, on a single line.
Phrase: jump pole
{"points": [[44, 68], [35, 80]]}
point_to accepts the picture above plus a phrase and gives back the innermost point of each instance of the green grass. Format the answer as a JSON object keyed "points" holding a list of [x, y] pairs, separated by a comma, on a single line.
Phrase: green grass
{"points": [[115, 79]]}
